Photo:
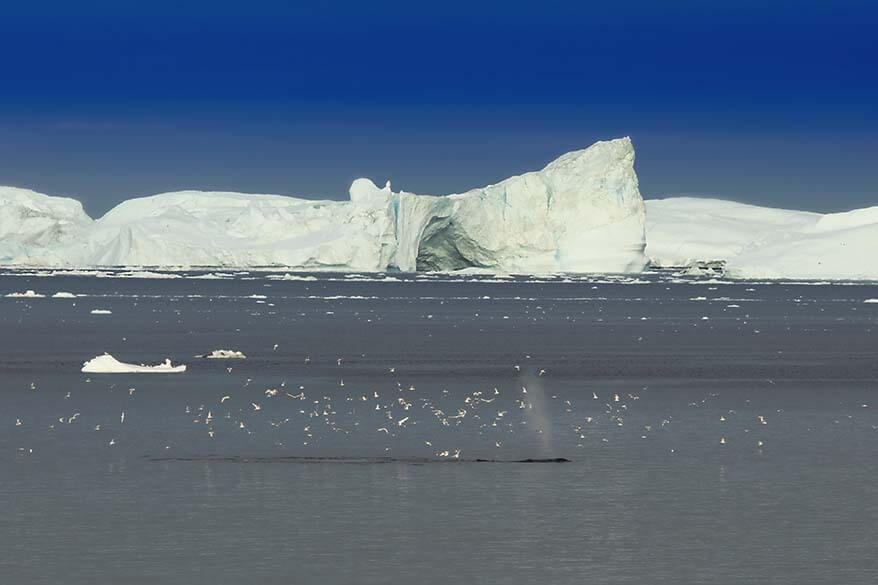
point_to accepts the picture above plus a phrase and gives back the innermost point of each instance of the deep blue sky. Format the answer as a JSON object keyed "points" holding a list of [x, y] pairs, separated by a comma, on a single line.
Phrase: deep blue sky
{"points": [[765, 102]]}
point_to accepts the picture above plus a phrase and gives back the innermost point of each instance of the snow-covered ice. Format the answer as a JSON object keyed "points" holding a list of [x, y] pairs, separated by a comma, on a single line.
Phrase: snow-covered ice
{"points": [[101, 312], [762, 242], [107, 364], [63, 295], [583, 212], [38, 229]]}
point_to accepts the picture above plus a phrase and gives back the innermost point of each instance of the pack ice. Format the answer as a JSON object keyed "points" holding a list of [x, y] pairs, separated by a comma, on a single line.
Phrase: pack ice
{"points": [[581, 213]]}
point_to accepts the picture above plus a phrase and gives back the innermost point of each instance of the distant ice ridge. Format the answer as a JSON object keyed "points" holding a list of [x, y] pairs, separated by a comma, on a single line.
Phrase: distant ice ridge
{"points": [[761, 242], [582, 213]]}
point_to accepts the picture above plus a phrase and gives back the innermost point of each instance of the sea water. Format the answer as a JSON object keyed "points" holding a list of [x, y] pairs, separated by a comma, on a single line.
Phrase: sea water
{"points": [[440, 429]]}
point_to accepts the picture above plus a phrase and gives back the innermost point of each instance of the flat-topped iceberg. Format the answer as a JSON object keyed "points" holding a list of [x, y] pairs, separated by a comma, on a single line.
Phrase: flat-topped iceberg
{"points": [[761, 242], [583, 212], [107, 364]]}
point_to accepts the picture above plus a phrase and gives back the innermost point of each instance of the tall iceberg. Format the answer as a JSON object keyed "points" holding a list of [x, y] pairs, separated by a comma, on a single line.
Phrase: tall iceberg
{"points": [[582, 213]]}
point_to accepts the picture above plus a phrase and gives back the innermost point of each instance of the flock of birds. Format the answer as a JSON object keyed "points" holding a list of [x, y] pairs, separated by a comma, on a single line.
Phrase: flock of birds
{"points": [[520, 411], [489, 415]]}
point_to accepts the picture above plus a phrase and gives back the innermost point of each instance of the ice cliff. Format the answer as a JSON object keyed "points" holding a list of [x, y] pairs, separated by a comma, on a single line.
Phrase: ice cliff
{"points": [[582, 213]]}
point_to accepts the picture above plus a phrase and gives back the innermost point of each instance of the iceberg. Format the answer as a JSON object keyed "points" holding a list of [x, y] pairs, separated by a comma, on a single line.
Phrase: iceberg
{"points": [[762, 242], [583, 212], [107, 364], [38, 229]]}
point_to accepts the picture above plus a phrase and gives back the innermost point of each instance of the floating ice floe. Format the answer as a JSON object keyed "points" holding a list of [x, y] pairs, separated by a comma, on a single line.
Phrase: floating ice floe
{"points": [[28, 294], [871, 301], [144, 274], [101, 312], [213, 276], [63, 295], [224, 354], [288, 276], [107, 364]]}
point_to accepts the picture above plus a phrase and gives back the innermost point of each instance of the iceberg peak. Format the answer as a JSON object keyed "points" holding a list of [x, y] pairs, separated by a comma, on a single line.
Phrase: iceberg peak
{"points": [[364, 191]]}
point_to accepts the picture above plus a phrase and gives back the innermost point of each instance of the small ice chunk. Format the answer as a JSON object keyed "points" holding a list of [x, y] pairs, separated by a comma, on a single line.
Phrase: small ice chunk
{"points": [[28, 294], [63, 295], [225, 354], [101, 312]]}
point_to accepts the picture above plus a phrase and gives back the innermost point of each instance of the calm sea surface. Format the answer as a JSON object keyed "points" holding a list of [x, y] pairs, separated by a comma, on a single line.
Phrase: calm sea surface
{"points": [[716, 432]]}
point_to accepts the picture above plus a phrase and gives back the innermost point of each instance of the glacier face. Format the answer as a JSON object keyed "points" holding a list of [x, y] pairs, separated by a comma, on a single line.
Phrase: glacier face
{"points": [[582, 213], [761, 242]]}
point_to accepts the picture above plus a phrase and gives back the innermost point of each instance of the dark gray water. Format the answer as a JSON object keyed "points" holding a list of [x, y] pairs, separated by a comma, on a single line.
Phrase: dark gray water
{"points": [[717, 432]]}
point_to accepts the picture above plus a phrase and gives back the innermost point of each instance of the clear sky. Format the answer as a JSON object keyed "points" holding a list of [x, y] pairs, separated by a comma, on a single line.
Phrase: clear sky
{"points": [[765, 102]]}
